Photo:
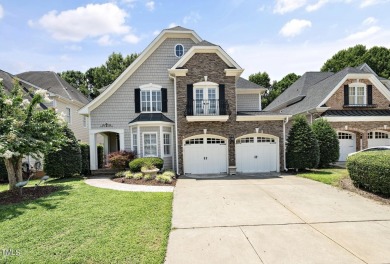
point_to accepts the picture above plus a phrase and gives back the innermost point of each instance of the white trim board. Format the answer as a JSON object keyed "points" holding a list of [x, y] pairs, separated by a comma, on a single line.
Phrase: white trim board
{"points": [[262, 117]]}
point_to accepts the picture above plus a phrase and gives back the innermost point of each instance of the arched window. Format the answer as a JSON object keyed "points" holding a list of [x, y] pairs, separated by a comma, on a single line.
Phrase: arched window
{"points": [[179, 50]]}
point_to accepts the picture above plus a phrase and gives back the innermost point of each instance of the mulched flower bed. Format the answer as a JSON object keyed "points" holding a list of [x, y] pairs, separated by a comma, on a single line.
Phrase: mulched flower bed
{"points": [[29, 194], [347, 184], [143, 182]]}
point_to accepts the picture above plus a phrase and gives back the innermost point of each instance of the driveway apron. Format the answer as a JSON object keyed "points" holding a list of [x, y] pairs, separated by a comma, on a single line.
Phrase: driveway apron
{"points": [[275, 219]]}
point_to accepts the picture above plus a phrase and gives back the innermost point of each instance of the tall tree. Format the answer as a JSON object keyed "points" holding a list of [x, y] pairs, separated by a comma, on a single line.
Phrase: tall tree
{"points": [[278, 88], [25, 129], [378, 58], [350, 57], [328, 142], [76, 79], [260, 78]]}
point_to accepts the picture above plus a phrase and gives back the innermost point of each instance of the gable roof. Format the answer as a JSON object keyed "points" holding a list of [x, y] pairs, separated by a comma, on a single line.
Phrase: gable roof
{"points": [[242, 83], [313, 89], [177, 32], [53, 83]]}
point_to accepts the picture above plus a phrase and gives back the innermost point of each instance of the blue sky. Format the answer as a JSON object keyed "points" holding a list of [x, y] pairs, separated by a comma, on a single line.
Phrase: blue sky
{"points": [[278, 37]]}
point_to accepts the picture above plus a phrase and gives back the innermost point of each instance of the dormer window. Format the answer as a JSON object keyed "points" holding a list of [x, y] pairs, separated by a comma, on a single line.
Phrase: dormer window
{"points": [[357, 94], [179, 50]]}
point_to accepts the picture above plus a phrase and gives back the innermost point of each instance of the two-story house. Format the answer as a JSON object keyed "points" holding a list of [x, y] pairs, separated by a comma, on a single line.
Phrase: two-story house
{"points": [[183, 100], [355, 100]]}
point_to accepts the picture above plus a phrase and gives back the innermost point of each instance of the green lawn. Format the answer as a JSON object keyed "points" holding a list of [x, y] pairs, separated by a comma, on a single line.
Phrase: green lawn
{"points": [[331, 176], [84, 224]]}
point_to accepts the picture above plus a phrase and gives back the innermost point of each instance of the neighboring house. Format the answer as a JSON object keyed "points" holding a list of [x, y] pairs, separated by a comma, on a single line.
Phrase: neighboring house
{"points": [[183, 100], [66, 99], [354, 100]]}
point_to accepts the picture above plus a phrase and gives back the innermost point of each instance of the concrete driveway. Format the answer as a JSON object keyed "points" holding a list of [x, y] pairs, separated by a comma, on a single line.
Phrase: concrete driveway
{"points": [[285, 219]]}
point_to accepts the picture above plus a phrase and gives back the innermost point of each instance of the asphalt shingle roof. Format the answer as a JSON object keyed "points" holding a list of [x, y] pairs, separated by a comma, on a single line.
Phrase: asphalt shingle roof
{"points": [[310, 90], [179, 28], [242, 83], [53, 83]]}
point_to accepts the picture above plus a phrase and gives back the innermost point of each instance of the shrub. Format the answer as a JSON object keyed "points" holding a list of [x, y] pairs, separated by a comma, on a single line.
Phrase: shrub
{"points": [[302, 146], [169, 174], [100, 156], [163, 178], [148, 177], [136, 165], [120, 159], [371, 170], [328, 142], [65, 162], [120, 174], [129, 175], [85, 160], [138, 176], [3, 172]]}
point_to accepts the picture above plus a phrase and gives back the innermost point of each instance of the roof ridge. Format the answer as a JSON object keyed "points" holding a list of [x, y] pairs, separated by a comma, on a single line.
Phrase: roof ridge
{"points": [[63, 87]]}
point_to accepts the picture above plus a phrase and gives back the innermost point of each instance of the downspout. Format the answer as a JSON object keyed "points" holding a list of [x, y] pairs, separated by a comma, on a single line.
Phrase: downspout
{"points": [[311, 117], [284, 143], [176, 137]]}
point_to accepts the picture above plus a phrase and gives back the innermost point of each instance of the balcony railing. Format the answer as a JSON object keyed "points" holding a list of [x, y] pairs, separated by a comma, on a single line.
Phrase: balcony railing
{"points": [[207, 108]]}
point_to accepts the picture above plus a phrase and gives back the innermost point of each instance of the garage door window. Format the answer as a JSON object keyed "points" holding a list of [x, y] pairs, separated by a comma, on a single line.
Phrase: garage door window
{"points": [[194, 141], [345, 136], [378, 135], [245, 140], [215, 141], [264, 139]]}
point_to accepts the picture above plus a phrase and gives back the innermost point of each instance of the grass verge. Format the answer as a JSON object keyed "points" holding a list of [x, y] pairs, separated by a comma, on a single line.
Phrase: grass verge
{"points": [[331, 176], [84, 224]]}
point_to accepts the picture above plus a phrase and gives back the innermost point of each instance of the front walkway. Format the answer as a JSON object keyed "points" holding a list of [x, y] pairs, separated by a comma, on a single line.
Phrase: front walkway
{"points": [[107, 183], [282, 219]]}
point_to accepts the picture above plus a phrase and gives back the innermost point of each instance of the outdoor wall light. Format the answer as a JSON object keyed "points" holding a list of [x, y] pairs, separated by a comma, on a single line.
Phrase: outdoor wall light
{"points": [[205, 131], [231, 139]]}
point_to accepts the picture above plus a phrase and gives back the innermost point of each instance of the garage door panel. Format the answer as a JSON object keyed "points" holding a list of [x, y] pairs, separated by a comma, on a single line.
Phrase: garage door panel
{"points": [[347, 143], [378, 138]]}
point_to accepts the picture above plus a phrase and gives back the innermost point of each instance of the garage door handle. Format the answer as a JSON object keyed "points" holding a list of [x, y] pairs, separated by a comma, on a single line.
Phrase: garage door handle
{"points": [[255, 157], [205, 158]]}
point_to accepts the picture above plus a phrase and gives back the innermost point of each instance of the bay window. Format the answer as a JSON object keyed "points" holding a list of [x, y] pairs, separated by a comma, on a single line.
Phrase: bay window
{"points": [[150, 144]]}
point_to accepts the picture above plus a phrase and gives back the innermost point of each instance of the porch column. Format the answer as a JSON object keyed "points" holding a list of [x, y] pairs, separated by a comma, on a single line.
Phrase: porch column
{"points": [[93, 151], [122, 140], [161, 143], [105, 143], [138, 142]]}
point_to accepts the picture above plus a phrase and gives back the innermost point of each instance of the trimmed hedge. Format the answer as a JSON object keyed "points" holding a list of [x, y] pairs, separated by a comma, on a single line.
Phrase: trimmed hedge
{"points": [[65, 162], [85, 160], [371, 170], [135, 165], [100, 154]]}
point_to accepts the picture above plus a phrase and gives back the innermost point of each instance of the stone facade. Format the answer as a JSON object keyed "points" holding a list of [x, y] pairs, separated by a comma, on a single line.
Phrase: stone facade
{"points": [[210, 65], [336, 101]]}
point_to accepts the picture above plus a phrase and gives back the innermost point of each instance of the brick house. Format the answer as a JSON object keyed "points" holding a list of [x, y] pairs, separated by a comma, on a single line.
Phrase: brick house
{"points": [[183, 100], [355, 100]]}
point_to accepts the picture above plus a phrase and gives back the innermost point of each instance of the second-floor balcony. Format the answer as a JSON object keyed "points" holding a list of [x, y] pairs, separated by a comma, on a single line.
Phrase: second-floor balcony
{"points": [[207, 110]]}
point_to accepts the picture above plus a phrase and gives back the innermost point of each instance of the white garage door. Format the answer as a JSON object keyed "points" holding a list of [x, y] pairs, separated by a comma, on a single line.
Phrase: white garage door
{"points": [[378, 138], [257, 154], [347, 144], [205, 155]]}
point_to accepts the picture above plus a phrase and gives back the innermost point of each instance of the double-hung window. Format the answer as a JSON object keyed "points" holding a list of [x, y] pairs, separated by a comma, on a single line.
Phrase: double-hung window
{"points": [[167, 144], [68, 117], [150, 144], [135, 146], [151, 101], [357, 94]]}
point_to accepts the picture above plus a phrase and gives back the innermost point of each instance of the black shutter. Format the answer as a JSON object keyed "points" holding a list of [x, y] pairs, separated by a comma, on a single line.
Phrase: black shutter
{"points": [[190, 99], [369, 94], [346, 95], [222, 100], [137, 100], [164, 99]]}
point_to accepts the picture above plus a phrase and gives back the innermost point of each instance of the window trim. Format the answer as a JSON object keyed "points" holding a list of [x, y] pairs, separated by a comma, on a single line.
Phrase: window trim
{"points": [[177, 45], [355, 86], [85, 121], [134, 142], [69, 117], [143, 144], [150, 88], [169, 145]]}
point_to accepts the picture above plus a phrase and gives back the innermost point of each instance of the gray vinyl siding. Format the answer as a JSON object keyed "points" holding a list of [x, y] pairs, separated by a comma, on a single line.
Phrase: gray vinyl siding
{"points": [[248, 102], [118, 110]]}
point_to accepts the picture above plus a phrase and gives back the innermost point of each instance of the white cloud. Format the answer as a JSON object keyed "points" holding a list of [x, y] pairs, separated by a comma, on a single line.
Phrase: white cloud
{"points": [[369, 21], [129, 3], [93, 20], [105, 40], [150, 5], [73, 47], [193, 17], [156, 32], [361, 35], [366, 3], [294, 27], [316, 6], [1, 12], [285, 6], [131, 38], [172, 25]]}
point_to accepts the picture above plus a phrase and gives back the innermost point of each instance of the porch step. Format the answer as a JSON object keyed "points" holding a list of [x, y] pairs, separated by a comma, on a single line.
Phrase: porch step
{"points": [[106, 172]]}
